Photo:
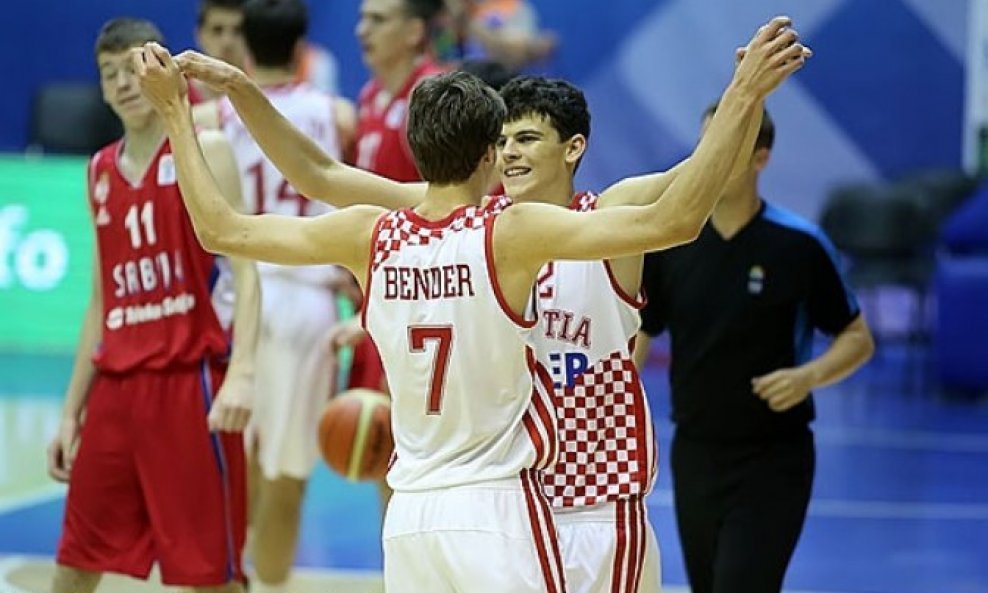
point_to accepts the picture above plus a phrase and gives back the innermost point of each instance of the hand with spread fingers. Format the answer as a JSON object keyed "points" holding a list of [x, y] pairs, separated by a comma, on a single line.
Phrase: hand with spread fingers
{"points": [[773, 54], [162, 83]]}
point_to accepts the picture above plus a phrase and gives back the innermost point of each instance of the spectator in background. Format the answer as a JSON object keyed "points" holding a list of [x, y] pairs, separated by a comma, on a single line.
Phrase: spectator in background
{"points": [[219, 34], [506, 31]]}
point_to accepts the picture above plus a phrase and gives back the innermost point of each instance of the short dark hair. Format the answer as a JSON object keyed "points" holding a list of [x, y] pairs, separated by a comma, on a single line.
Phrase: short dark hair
{"points": [[272, 29], [206, 5], [492, 72], [558, 101], [424, 9], [121, 34], [766, 133], [453, 119]]}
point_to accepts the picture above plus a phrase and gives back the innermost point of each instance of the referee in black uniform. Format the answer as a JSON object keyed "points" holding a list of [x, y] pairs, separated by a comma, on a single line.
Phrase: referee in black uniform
{"points": [[741, 304]]}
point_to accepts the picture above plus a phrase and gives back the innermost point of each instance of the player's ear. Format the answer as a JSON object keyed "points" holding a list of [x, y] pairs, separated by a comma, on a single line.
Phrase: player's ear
{"points": [[760, 159], [575, 147]]}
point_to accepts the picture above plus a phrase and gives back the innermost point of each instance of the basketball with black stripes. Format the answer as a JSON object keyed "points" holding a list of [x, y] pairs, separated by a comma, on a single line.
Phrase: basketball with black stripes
{"points": [[355, 434]]}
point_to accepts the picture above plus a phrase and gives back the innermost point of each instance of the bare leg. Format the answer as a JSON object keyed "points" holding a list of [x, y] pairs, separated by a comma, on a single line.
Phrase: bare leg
{"points": [[275, 529], [74, 580]]}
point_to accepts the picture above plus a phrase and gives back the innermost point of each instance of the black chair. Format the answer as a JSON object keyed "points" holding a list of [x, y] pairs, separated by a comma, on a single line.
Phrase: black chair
{"points": [[71, 118], [887, 234]]}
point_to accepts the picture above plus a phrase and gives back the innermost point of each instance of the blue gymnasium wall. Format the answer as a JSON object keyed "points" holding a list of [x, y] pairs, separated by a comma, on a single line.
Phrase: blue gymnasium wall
{"points": [[884, 94]]}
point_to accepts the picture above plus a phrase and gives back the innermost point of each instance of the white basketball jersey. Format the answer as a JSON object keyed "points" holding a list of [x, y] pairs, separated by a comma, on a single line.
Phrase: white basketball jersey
{"points": [[607, 446], [464, 408], [265, 190]]}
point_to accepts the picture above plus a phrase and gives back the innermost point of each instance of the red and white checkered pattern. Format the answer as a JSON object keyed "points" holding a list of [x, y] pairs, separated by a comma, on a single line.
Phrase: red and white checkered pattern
{"points": [[398, 228], [584, 202], [606, 448]]}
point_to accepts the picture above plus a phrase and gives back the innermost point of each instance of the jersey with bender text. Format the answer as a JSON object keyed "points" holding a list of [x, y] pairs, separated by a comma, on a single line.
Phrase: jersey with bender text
{"points": [[464, 407], [586, 325], [157, 281]]}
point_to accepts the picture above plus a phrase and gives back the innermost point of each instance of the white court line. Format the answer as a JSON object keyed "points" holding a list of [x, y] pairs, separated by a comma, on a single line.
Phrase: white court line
{"points": [[872, 509], [36, 497], [7, 566], [11, 563]]}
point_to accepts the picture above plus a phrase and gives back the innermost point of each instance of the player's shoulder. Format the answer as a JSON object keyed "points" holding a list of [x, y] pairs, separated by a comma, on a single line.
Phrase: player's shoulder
{"points": [[795, 230]]}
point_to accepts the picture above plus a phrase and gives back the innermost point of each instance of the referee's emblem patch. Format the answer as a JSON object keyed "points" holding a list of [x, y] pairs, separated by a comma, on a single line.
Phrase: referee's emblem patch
{"points": [[756, 280]]}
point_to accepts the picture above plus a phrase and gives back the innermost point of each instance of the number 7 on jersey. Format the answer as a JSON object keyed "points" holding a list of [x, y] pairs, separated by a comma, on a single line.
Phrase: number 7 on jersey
{"points": [[418, 335]]}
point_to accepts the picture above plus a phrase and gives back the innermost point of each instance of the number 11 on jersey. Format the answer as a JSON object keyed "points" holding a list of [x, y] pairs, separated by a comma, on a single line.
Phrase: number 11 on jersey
{"points": [[442, 335]]}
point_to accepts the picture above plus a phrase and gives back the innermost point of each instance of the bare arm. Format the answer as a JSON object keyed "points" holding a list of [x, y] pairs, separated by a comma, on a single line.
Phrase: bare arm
{"points": [[784, 388], [642, 344], [305, 165], [83, 370], [345, 115], [537, 233], [528, 235], [61, 451], [233, 403]]}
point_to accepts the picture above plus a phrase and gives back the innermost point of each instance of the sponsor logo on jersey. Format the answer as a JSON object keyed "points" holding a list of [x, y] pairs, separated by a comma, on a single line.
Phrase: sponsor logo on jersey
{"points": [[166, 170], [180, 304], [101, 193], [756, 280]]}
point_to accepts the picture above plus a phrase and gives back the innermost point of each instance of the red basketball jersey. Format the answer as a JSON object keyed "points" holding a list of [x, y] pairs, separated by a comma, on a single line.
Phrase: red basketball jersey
{"points": [[157, 280], [382, 146]]}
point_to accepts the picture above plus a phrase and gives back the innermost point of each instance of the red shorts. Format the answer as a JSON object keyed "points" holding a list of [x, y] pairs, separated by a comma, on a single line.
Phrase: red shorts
{"points": [[151, 483], [367, 370]]}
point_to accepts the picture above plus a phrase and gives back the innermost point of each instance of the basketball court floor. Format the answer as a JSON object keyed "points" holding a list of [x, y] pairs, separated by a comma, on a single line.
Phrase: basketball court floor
{"points": [[900, 500]]}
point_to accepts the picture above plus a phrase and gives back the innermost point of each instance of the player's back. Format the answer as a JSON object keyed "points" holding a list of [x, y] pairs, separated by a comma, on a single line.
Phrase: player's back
{"points": [[586, 326], [464, 408], [265, 189], [157, 281]]}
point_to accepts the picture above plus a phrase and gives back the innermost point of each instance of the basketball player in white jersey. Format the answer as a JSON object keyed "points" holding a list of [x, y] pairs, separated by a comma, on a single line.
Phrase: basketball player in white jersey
{"points": [[294, 374], [589, 317], [448, 285]]}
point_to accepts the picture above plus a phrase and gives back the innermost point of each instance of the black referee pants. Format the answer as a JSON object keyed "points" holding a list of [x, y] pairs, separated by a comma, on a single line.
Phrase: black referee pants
{"points": [[740, 508]]}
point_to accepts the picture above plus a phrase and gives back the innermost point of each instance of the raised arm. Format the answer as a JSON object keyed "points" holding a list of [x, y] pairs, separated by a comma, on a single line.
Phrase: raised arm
{"points": [[231, 409], [645, 189], [305, 165], [339, 238], [528, 235]]}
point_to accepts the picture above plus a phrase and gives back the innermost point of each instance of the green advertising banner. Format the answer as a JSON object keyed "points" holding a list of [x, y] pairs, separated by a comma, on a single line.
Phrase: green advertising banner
{"points": [[46, 246]]}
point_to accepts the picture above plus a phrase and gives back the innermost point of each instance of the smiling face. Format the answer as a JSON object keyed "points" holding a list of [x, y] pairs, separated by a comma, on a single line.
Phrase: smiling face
{"points": [[534, 163], [121, 90]]}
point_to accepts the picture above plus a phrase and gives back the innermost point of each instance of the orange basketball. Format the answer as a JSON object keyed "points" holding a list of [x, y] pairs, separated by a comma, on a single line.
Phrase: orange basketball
{"points": [[355, 434]]}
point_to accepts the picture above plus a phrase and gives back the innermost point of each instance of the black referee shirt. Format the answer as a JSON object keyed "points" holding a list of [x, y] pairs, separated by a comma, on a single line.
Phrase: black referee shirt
{"points": [[740, 308]]}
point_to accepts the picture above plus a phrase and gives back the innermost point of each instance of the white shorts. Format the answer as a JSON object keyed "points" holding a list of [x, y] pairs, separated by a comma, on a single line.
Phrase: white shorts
{"points": [[609, 548], [492, 537], [294, 377]]}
